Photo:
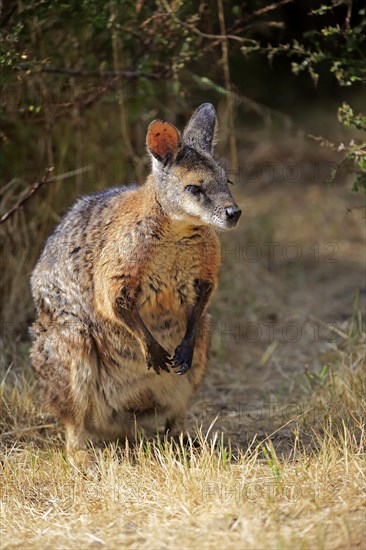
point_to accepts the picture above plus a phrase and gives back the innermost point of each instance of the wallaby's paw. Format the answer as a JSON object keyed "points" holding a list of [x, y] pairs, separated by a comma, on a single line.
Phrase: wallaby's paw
{"points": [[158, 359], [84, 462], [182, 359]]}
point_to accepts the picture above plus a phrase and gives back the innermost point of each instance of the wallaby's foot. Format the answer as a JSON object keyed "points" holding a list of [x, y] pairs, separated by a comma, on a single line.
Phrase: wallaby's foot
{"points": [[84, 462], [77, 454], [81, 459], [183, 358], [157, 358]]}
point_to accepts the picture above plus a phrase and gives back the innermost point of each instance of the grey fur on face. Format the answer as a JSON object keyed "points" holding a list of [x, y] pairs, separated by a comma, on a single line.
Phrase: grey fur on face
{"points": [[193, 184]]}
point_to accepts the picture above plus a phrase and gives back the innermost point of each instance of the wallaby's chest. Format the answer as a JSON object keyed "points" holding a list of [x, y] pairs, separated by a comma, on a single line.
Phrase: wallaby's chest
{"points": [[169, 284]]}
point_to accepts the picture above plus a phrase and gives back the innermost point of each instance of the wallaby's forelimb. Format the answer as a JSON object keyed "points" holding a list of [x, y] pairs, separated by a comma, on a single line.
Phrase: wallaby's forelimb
{"points": [[183, 355], [156, 356]]}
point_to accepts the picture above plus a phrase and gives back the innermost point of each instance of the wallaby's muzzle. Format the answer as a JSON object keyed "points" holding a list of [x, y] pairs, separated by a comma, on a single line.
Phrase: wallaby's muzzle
{"points": [[233, 214]]}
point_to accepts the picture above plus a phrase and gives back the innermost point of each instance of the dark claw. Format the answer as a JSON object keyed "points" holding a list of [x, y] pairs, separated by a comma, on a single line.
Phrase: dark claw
{"points": [[165, 366], [151, 365], [183, 369], [182, 358], [158, 359]]}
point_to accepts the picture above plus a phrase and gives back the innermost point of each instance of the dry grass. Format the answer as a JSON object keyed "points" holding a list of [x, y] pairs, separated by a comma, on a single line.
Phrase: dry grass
{"points": [[312, 501], [163, 495]]}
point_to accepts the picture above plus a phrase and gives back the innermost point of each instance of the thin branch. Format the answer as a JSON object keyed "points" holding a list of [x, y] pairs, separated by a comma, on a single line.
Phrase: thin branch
{"points": [[348, 16], [38, 185], [272, 7], [227, 79], [29, 429], [328, 326], [194, 29], [80, 72], [88, 100]]}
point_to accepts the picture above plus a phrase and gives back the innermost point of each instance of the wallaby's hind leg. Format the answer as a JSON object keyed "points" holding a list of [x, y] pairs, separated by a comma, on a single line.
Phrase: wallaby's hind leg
{"points": [[81, 376], [65, 361], [77, 453]]}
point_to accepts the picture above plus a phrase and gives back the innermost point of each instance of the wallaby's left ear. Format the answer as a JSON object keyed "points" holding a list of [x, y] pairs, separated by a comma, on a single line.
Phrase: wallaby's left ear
{"points": [[163, 140], [200, 130]]}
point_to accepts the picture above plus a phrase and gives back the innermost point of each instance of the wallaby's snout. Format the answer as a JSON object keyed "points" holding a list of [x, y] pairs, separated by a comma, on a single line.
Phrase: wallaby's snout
{"points": [[223, 212], [233, 214]]}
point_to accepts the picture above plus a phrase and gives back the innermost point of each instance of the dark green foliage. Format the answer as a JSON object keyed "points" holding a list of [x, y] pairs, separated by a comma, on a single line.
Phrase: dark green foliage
{"points": [[341, 48]]}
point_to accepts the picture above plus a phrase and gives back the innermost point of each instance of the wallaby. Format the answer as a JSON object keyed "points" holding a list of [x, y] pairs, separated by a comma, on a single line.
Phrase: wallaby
{"points": [[121, 291]]}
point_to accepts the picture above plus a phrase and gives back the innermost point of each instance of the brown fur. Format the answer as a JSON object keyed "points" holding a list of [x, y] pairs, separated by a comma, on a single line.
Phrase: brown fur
{"points": [[123, 284]]}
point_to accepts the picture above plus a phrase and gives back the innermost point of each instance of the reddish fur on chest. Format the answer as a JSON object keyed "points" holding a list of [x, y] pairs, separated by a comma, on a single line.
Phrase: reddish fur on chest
{"points": [[154, 259]]}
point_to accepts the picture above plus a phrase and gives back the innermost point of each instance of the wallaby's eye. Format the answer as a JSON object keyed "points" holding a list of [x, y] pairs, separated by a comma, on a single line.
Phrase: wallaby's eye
{"points": [[193, 189]]}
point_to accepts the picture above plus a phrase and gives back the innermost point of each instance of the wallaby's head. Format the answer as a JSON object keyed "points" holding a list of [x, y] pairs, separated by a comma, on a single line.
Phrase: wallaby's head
{"points": [[191, 184]]}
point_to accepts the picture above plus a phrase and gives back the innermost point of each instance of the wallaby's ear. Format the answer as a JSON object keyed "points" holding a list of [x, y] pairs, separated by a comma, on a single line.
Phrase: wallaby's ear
{"points": [[200, 130], [163, 140]]}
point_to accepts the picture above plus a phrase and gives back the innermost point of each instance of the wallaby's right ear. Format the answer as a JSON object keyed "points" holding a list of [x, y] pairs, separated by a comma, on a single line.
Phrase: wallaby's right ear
{"points": [[163, 140]]}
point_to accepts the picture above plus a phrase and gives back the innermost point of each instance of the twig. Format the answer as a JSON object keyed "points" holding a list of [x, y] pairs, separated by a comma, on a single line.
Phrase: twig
{"points": [[194, 29], [80, 72], [30, 429], [330, 327], [229, 97], [37, 186], [348, 16], [272, 7]]}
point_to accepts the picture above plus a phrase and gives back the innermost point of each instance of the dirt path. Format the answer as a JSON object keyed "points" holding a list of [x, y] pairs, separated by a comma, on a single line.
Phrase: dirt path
{"points": [[290, 277]]}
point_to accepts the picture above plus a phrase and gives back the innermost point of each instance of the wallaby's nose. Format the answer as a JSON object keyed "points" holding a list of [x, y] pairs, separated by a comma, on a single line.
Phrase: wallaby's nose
{"points": [[233, 213]]}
